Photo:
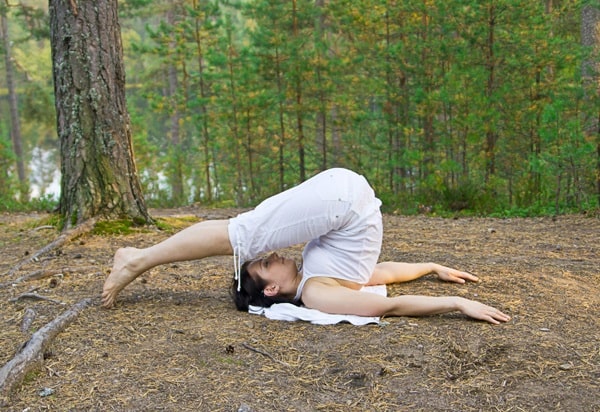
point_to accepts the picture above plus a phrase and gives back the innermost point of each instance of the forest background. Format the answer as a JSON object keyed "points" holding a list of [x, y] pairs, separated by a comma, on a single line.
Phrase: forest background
{"points": [[446, 106]]}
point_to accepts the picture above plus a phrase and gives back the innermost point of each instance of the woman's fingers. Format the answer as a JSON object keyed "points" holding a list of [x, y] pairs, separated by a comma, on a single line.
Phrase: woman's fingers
{"points": [[457, 276], [478, 310]]}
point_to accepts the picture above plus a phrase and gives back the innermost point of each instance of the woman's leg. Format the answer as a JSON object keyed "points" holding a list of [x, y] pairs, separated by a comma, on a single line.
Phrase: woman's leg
{"points": [[204, 239]]}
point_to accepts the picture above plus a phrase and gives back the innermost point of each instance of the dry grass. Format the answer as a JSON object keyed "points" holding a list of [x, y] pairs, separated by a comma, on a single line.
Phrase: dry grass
{"points": [[175, 342]]}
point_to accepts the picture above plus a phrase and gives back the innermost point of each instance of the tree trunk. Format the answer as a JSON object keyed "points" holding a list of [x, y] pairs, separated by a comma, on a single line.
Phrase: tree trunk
{"points": [[299, 104], [231, 55], [590, 37], [203, 108], [392, 111], [320, 115], [491, 135], [281, 116], [99, 177], [15, 124], [176, 158]]}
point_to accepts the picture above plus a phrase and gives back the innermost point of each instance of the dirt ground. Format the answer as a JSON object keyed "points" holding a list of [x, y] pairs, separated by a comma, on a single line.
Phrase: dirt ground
{"points": [[175, 342]]}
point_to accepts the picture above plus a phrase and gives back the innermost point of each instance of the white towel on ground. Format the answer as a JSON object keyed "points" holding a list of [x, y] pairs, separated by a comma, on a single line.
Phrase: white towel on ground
{"points": [[291, 312]]}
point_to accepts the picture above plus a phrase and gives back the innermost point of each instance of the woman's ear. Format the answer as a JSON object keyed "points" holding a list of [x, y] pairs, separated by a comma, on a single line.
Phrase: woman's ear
{"points": [[271, 290]]}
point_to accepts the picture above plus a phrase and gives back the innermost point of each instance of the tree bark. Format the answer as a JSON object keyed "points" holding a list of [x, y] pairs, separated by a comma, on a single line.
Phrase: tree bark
{"points": [[99, 177]]}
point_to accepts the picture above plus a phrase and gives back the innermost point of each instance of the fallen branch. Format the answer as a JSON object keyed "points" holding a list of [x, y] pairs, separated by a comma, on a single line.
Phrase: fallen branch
{"points": [[267, 354], [28, 318], [42, 228], [31, 354], [59, 241], [35, 296], [46, 273]]}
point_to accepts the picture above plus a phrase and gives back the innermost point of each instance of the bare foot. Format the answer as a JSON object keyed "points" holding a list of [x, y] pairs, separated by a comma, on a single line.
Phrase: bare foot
{"points": [[124, 271]]}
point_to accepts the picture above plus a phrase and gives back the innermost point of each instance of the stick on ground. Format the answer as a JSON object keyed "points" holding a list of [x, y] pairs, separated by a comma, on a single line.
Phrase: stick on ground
{"points": [[267, 354], [45, 273], [31, 354], [35, 296], [59, 241]]}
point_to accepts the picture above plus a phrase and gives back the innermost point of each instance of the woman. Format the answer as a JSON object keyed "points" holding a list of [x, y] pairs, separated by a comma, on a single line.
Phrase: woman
{"points": [[337, 213]]}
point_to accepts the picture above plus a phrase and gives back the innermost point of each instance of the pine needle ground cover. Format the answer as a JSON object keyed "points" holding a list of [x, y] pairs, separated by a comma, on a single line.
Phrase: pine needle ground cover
{"points": [[175, 341]]}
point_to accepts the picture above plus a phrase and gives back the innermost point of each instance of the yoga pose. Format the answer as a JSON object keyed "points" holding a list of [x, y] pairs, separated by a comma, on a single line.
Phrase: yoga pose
{"points": [[337, 215]]}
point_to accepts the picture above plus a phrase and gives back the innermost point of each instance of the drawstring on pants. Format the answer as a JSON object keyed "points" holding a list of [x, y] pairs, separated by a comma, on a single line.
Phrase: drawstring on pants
{"points": [[237, 266]]}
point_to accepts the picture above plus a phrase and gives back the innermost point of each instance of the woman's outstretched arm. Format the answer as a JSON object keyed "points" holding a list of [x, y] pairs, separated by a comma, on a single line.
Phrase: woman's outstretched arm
{"points": [[323, 294], [204, 239], [397, 272]]}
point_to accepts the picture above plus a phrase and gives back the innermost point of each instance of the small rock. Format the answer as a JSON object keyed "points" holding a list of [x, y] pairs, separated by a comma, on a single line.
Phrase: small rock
{"points": [[46, 392], [565, 367], [491, 230], [244, 408]]}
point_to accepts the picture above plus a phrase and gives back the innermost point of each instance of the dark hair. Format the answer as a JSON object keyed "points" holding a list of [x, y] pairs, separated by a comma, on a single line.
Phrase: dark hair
{"points": [[251, 292]]}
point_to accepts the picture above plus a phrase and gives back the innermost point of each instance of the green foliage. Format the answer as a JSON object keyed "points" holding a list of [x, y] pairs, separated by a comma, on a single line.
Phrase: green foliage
{"points": [[443, 111], [45, 203], [465, 196]]}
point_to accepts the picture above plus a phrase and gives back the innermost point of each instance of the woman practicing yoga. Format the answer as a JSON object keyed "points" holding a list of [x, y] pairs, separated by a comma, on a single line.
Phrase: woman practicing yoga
{"points": [[337, 213]]}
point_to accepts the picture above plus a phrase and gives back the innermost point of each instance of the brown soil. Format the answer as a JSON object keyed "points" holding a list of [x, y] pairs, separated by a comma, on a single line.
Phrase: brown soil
{"points": [[175, 342]]}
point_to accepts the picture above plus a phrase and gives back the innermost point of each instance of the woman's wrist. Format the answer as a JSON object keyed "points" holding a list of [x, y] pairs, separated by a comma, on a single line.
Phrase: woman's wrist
{"points": [[459, 303], [433, 267]]}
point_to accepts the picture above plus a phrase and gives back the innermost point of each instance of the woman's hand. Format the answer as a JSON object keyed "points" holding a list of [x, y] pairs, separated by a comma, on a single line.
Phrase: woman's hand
{"points": [[478, 310], [452, 275]]}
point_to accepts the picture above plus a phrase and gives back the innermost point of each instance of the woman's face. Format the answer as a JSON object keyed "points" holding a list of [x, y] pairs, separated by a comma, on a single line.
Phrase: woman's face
{"points": [[273, 269]]}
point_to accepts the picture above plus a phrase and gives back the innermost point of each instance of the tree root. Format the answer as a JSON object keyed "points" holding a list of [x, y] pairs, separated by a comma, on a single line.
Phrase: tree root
{"points": [[31, 354], [59, 241]]}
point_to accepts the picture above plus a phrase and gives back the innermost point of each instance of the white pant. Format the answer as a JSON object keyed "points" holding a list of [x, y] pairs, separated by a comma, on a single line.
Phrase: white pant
{"points": [[335, 211]]}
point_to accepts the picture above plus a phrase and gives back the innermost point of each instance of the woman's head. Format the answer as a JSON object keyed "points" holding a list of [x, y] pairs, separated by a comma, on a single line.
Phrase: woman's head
{"points": [[264, 282]]}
